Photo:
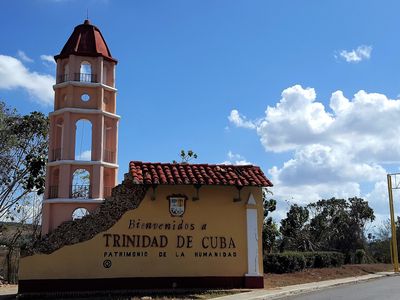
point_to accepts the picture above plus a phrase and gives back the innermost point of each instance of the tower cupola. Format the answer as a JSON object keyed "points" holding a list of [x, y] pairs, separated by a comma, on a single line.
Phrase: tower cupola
{"points": [[86, 40]]}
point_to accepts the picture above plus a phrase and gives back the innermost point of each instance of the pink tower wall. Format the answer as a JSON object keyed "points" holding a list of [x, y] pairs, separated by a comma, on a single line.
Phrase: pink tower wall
{"points": [[58, 204]]}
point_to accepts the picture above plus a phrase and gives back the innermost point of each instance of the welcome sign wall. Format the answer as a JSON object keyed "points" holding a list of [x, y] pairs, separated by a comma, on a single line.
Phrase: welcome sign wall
{"points": [[171, 241]]}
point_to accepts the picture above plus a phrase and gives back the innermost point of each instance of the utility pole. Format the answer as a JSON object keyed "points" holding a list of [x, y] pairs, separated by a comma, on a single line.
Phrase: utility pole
{"points": [[393, 240]]}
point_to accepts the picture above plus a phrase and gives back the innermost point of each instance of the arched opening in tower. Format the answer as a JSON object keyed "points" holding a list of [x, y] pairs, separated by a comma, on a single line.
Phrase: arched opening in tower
{"points": [[81, 187], [83, 140], [85, 72], [79, 213]]}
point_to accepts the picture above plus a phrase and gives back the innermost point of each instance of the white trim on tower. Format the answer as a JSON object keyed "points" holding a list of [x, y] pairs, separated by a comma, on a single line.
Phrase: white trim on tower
{"points": [[74, 200], [82, 162], [84, 111], [84, 84]]}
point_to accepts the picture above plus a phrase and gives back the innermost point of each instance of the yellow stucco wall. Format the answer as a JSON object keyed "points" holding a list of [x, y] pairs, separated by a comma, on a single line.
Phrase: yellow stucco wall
{"points": [[215, 217]]}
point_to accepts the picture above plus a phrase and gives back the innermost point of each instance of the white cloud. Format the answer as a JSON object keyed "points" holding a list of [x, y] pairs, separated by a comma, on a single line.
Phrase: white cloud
{"points": [[236, 159], [14, 75], [240, 121], [338, 150], [296, 120], [48, 59], [305, 194], [85, 155], [21, 54], [379, 195], [317, 163], [356, 55], [363, 129]]}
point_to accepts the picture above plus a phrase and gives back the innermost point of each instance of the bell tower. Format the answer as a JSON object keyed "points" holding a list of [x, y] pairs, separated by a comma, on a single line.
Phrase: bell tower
{"points": [[77, 183]]}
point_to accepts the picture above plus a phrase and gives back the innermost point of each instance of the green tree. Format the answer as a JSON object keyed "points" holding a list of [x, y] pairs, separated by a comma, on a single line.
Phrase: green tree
{"points": [[329, 223], [23, 155], [270, 228], [294, 230], [339, 224], [379, 241], [270, 235], [360, 214], [20, 234]]}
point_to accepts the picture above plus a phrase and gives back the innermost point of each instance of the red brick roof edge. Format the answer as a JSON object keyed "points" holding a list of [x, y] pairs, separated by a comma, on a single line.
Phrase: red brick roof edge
{"points": [[148, 173]]}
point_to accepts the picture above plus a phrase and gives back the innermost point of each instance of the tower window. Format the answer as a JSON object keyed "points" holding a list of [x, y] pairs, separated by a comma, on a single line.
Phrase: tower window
{"points": [[86, 68], [85, 73]]}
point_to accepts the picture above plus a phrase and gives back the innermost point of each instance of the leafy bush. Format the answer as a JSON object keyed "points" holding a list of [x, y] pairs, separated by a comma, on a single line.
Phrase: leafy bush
{"points": [[328, 259], [284, 262], [288, 262], [360, 256], [337, 259], [310, 259]]}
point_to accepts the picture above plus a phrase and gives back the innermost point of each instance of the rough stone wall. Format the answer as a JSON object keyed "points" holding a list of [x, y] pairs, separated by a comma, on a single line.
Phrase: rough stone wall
{"points": [[125, 196]]}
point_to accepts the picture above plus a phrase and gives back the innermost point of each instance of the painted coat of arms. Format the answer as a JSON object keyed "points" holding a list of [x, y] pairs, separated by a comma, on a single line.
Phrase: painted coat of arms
{"points": [[177, 205]]}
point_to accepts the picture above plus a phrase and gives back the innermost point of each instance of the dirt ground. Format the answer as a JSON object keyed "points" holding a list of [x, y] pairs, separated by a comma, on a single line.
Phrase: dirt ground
{"points": [[313, 275]]}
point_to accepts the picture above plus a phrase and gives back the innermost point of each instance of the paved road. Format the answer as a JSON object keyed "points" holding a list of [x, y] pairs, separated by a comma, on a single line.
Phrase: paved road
{"points": [[387, 288]]}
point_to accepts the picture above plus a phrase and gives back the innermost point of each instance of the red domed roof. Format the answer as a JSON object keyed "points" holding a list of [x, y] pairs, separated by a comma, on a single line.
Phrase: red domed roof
{"points": [[86, 40]]}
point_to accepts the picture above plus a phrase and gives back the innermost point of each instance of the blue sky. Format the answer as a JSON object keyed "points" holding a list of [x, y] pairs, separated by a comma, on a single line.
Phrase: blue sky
{"points": [[201, 74]]}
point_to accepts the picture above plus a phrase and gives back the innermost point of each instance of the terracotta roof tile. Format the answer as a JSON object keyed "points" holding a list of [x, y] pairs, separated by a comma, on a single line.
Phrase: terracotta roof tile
{"points": [[204, 174]]}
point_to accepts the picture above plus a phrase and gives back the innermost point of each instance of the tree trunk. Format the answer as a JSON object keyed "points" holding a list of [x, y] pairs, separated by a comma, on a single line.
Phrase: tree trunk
{"points": [[9, 265]]}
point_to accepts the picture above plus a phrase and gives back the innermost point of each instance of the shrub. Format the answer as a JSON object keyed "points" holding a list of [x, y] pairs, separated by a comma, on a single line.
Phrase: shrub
{"points": [[284, 262], [288, 262], [328, 259], [360, 256], [337, 259], [310, 259], [348, 259]]}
